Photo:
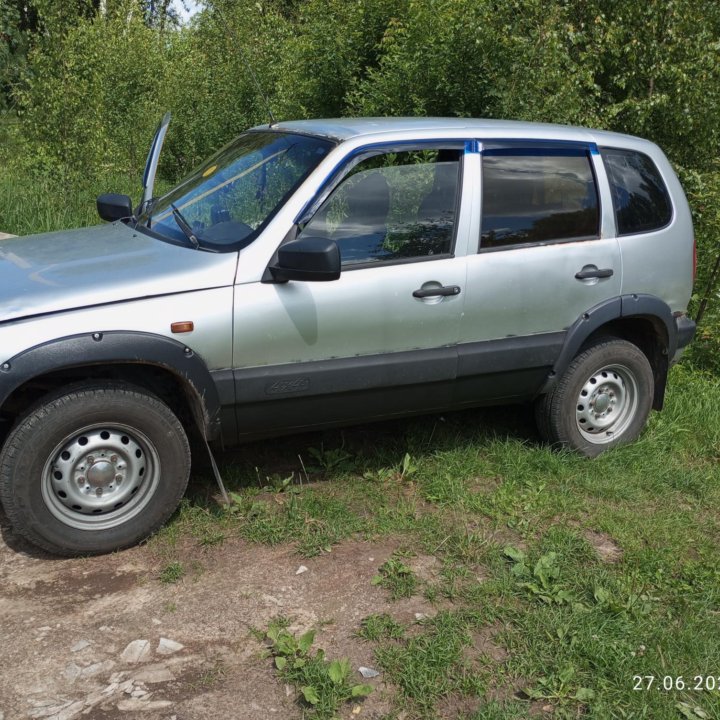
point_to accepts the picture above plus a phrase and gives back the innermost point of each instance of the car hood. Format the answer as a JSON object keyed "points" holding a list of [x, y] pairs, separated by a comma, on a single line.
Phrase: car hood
{"points": [[109, 263]]}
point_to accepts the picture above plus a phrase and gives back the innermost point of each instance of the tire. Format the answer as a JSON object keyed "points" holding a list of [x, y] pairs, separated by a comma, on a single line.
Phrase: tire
{"points": [[602, 400], [96, 468]]}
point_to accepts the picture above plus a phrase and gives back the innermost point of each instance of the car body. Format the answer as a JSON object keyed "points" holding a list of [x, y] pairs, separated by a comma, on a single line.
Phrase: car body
{"points": [[322, 272]]}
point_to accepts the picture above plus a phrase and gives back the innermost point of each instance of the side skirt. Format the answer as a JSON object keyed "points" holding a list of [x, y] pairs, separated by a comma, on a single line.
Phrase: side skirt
{"points": [[282, 399]]}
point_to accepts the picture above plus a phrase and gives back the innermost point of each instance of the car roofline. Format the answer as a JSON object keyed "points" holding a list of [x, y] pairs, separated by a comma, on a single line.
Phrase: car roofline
{"points": [[341, 130]]}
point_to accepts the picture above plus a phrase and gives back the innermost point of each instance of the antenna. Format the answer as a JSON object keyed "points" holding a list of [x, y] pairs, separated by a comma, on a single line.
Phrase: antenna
{"points": [[250, 70]]}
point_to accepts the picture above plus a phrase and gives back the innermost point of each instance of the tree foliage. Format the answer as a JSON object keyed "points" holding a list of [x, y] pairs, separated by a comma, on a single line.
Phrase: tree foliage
{"points": [[91, 78]]}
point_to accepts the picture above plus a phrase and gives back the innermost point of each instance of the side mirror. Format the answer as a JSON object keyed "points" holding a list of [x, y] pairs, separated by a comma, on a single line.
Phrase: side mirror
{"points": [[112, 206], [311, 259]]}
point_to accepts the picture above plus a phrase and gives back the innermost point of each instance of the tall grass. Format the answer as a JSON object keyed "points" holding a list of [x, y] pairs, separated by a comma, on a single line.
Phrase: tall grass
{"points": [[36, 202]]}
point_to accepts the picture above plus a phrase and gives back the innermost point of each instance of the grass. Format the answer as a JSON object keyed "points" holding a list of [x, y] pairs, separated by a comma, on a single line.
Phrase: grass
{"points": [[35, 202], [513, 525], [324, 685], [173, 572]]}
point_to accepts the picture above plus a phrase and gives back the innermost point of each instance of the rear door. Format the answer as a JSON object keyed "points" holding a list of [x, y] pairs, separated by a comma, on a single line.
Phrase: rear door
{"points": [[546, 254]]}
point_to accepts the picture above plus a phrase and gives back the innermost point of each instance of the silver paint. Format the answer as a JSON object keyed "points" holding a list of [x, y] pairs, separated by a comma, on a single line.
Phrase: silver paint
{"points": [[97, 265]]}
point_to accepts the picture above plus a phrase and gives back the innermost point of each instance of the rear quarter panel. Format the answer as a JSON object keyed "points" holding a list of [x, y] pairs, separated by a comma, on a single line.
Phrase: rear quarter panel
{"points": [[660, 262]]}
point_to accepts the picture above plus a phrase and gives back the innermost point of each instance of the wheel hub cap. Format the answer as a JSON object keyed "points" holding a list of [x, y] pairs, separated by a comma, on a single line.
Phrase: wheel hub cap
{"points": [[101, 474], [602, 402]]}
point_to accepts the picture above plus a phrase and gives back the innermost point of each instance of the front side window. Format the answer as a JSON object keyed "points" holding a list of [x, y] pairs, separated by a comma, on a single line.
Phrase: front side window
{"points": [[229, 198], [392, 207], [640, 198], [532, 195]]}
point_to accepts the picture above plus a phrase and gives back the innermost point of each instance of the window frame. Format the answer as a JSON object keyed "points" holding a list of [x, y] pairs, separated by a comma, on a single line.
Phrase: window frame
{"points": [[364, 152], [528, 148], [612, 194]]}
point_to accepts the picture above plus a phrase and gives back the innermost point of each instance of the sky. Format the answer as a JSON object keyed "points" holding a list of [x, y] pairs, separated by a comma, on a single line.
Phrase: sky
{"points": [[192, 8]]}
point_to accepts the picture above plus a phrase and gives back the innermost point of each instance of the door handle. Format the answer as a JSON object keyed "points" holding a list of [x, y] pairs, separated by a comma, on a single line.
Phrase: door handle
{"points": [[590, 273], [443, 290]]}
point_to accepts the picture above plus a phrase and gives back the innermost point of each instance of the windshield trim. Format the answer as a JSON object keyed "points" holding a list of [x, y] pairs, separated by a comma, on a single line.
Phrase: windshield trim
{"points": [[142, 224]]}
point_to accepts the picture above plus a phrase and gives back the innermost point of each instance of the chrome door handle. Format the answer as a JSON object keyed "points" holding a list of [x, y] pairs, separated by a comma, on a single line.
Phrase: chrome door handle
{"points": [[443, 290], [590, 273]]}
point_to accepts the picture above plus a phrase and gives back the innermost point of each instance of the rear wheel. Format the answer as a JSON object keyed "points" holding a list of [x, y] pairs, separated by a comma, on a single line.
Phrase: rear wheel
{"points": [[94, 469], [603, 399]]}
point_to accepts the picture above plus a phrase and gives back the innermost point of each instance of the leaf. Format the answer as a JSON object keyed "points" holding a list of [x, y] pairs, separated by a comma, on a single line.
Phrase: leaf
{"points": [[563, 596], [299, 663], [361, 690], [280, 662], [602, 596], [690, 711], [377, 579], [566, 674], [514, 553], [585, 694], [335, 671], [545, 569], [286, 644], [310, 694], [306, 641], [407, 466]]}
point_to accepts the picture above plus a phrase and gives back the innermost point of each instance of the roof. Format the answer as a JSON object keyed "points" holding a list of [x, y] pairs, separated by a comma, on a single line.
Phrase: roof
{"points": [[347, 128]]}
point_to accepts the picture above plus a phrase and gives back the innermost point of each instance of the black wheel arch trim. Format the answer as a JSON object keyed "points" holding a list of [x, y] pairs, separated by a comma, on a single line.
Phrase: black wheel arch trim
{"points": [[119, 348], [639, 306]]}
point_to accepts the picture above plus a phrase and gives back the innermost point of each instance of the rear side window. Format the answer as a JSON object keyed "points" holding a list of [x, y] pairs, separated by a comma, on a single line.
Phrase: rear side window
{"points": [[640, 198], [533, 195]]}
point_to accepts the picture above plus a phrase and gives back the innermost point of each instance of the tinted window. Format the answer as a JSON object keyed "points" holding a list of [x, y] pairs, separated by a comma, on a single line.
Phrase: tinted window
{"points": [[639, 194], [537, 195], [393, 206]]}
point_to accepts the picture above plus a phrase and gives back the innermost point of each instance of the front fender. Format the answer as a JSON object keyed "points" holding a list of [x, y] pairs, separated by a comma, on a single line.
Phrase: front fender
{"points": [[120, 347]]}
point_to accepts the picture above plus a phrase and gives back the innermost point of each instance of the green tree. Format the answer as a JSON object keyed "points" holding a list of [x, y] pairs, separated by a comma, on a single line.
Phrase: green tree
{"points": [[93, 95]]}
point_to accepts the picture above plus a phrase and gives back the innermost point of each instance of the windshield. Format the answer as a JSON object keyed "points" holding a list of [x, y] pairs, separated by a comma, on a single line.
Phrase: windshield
{"points": [[229, 198]]}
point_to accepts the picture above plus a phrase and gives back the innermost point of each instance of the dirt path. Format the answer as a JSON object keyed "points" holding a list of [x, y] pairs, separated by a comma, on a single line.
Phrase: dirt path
{"points": [[104, 638]]}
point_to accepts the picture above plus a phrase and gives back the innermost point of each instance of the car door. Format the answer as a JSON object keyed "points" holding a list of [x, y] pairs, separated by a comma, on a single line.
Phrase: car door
{"points": [[381, 339], [547, 254]]}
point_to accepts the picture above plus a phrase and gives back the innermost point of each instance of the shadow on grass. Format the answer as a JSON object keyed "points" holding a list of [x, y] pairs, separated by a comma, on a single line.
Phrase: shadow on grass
{"points": [[369, 447]]}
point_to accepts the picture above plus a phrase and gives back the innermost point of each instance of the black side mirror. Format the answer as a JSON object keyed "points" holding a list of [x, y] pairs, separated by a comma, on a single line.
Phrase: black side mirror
{"points": [[112, 206], [312, 259]]}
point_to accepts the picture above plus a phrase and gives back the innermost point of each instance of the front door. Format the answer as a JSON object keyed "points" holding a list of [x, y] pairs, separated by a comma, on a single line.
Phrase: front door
{"points": [[380, 340]]}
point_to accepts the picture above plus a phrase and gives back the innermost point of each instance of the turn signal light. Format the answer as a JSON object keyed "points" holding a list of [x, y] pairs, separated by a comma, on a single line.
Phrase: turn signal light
{"points": [[182, 327]]}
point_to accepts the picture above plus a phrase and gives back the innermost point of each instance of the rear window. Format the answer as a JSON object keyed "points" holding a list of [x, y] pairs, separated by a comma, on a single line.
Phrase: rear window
{"points": [[533, 195], [639, 195]]}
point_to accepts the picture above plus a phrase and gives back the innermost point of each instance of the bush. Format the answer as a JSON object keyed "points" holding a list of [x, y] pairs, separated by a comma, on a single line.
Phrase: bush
{"points": [[96, 83], [92, 98]]}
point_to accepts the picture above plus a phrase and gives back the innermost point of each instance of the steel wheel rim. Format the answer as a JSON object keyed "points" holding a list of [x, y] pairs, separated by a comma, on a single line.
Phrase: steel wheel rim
{"points": [[100, 476], [606, 404]]}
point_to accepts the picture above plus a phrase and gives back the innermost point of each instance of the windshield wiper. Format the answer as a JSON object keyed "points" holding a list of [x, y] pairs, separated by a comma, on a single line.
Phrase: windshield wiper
{"points": [[185, 227]]}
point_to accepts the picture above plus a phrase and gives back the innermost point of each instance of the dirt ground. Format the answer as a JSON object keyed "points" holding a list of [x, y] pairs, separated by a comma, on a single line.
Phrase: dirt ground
{"points": [[104, 638]]}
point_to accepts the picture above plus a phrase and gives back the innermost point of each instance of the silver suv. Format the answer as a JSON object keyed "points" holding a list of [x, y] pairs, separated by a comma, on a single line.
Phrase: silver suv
{"points": [[316, 273]]}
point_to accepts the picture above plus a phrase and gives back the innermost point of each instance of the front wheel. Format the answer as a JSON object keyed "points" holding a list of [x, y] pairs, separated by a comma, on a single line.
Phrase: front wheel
{"points": [[603, 399], [94, 469]]}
